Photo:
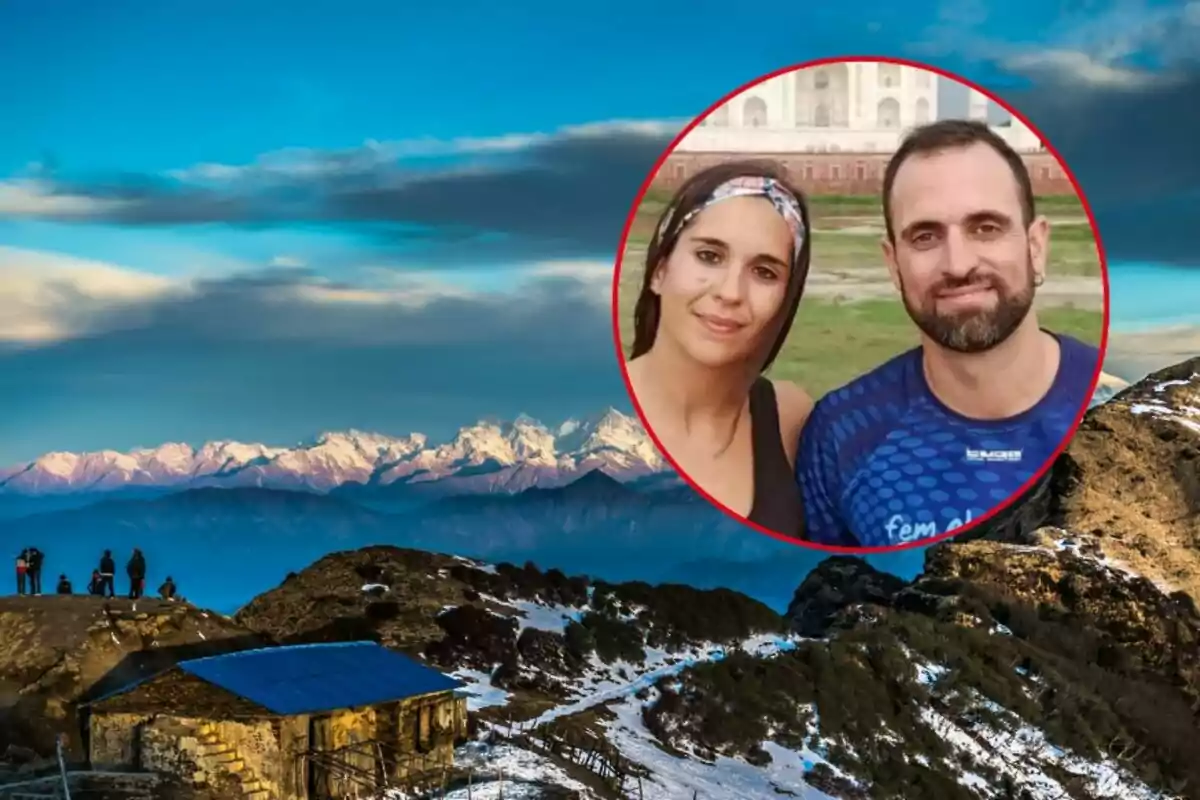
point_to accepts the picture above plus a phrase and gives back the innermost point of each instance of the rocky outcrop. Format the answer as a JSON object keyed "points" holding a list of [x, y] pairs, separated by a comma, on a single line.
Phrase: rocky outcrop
{"points": [[386, 594], [1068, 579], [56, 651], [837, 585], [1130, 478]]}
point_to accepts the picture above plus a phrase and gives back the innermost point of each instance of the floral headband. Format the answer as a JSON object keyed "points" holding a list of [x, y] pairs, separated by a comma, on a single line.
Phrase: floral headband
{"points": [[751, 186]]}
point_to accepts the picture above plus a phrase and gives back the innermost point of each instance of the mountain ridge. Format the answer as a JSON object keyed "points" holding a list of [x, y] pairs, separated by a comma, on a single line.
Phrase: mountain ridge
{"points": [[488, 457], [379, 470]]}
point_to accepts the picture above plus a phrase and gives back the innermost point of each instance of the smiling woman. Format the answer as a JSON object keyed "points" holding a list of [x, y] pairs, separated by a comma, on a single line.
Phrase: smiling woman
{"points": [[724, 274]]}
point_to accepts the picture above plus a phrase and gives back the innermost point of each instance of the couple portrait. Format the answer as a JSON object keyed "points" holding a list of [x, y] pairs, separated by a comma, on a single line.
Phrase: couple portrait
{"points": [[974, 399]]}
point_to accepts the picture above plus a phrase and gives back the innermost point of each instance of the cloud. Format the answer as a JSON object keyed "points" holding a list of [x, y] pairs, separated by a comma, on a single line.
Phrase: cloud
{"points": [[281, 354], [37, 198], [1127, 45], [1112, 89], [49, 297], [540, 196], [1133, 154], [372, 155], [46, 297], [1074, 66]]}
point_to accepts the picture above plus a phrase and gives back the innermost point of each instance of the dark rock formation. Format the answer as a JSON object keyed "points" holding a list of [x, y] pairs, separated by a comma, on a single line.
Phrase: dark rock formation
{"points": [[385, 594], [474, 637], [836, 585]]}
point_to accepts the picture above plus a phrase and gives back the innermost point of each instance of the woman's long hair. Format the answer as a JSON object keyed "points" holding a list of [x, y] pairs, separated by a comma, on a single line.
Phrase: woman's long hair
{"points": [[693, 193]]}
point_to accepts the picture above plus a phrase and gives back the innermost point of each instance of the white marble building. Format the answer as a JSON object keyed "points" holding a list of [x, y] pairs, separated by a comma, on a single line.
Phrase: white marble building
{"points": [[859, 107]]}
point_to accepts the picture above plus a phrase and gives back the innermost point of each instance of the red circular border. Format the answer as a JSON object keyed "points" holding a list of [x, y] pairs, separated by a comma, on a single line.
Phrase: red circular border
{"points": [[616, 317]]}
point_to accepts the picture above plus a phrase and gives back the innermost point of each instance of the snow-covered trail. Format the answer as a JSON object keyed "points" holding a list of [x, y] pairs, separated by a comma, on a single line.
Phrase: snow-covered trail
{"points": [[760, 645]]}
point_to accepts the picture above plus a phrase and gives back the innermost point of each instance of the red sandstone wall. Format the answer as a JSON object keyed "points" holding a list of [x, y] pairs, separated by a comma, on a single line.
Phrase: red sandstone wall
{"points": [[846, 173]]}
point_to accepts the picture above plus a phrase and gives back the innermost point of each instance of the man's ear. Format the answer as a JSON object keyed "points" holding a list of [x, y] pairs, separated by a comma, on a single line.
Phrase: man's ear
{"points": [[889, 258], [1039, 245]]}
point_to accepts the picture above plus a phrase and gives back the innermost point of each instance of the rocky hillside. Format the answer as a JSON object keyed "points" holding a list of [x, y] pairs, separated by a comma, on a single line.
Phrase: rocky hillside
{"points": [[56, 651], [1004, 671], [542, 635], [1035, 671], [1130, 480]]}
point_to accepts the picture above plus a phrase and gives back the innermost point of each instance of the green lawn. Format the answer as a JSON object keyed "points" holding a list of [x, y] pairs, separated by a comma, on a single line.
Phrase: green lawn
{"points": [[847, 230], [831, 343]]}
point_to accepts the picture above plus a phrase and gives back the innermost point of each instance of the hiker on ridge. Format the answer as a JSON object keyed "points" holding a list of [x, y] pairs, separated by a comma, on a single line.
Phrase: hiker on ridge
{"points": [[22, 569], [167, 590], [36, 557], [108, 569], [64, 585], [137, 574], [96, 585]]}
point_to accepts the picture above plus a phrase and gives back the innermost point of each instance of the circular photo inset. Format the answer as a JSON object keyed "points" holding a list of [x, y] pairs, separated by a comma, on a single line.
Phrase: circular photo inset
{"points": [[860, 305]]}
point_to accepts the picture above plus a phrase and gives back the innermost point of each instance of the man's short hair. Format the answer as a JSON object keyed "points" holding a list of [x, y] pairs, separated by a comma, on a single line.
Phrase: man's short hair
{"points": [[954, 134]]}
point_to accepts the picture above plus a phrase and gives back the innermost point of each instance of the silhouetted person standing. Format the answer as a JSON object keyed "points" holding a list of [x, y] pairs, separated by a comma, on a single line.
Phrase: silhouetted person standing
{"points": [[22, 570], [108, 568], [167, 590], [137, 574], [36, 557], [64, 585]]}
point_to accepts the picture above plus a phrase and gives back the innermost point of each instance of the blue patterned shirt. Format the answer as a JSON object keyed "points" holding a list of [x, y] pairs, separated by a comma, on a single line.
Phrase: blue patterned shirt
{"points": [[883, 462]]}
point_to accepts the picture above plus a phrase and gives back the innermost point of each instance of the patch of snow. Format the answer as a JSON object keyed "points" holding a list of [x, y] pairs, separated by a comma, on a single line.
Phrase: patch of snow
{"points": [[371, 587], [1163, 386], [544, 617], [1023, 754], [522, 770], [1182, 414], [603, 683], [1114, 566], [504, 771], [724, 779], [479, 689], [929, 674]]}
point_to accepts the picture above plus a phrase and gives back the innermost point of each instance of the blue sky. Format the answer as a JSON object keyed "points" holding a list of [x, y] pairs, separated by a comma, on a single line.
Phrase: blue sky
{"points": [[260, 221]]}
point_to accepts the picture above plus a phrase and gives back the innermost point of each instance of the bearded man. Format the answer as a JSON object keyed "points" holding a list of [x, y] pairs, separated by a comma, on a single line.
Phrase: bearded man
{"points": [[950, 430]]}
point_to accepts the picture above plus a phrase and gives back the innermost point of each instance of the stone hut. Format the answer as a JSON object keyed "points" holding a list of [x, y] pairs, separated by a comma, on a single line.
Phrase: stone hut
{"points": [[304, 722]]}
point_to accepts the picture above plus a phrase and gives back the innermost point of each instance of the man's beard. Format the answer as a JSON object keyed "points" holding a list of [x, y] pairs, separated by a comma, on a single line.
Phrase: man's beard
{"points": [[973, 331]]}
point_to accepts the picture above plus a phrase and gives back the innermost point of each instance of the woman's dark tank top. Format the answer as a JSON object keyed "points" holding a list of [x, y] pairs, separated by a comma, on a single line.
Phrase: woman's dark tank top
{"points": [[778, 505]]}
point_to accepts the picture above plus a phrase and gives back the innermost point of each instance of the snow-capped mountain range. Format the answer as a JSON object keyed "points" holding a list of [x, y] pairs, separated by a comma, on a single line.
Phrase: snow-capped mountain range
{"points": [[487, 457]]}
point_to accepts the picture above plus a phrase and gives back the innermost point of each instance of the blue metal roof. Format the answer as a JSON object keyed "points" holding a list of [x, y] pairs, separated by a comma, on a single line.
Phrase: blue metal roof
{"points": [[310, 678]]}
